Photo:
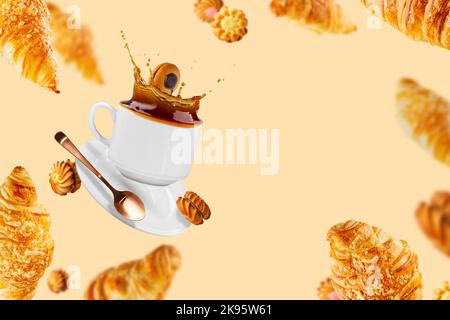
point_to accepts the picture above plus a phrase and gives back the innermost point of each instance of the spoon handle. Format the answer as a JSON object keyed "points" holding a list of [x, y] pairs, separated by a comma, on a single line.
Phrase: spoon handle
{"points": [[65, 142]]}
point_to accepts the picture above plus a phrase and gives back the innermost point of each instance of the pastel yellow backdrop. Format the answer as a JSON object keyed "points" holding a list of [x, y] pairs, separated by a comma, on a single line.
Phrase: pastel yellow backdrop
{"points": [[343, 154]]}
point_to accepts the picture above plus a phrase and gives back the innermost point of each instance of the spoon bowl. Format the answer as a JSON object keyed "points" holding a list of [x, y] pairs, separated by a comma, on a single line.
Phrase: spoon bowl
{"points": [[130, 206]]}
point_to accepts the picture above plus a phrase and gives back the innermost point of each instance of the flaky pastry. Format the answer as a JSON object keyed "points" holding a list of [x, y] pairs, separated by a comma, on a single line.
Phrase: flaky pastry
{"points": [[64, 178], [443, 293], [230, 25], [317, 15], [371, 265], [25, 40], [206, 9], [423, 20], [26, 247], [145, 279], [434, 220], [74, 44], [425, 116]]}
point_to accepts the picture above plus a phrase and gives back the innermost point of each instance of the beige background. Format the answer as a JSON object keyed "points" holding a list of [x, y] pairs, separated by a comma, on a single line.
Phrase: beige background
{"points": [[343, 154]]}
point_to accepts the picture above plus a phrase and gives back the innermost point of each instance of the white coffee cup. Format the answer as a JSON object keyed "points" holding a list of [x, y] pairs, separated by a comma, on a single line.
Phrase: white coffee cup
{"points": [[147, 149]]}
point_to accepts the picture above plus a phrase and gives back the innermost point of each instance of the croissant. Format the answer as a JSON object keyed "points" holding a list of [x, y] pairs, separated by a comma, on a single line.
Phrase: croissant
{"points": [[74, 44], [371, 265], [422, 20], [25, 40], [26, 247], [434, 219], [317, 15], [425, 116], [145, 279]]}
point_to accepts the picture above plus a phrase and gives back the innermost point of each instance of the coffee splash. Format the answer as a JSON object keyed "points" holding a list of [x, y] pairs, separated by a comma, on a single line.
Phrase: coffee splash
{"points": [[149, 101]]}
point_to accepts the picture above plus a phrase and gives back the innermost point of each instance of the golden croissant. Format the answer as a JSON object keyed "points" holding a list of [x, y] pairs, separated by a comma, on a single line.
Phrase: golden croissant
{"points": [[317, 15], [25, 40], [145, 279], [434, 220], [371, 265], [423, 20], [74, 44], [26, 247], [425, 116]]}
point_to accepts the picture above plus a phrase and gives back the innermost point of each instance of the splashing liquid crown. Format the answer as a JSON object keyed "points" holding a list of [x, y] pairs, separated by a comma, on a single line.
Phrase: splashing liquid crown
{"points": [[149, 101]]}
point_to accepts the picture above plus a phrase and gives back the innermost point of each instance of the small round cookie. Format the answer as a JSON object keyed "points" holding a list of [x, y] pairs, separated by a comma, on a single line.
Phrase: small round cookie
{"points": [[166, 77], [230, 25]]}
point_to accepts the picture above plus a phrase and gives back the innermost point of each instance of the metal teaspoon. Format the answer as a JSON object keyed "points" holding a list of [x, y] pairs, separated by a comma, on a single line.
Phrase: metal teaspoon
{"points": [[128, 204]]}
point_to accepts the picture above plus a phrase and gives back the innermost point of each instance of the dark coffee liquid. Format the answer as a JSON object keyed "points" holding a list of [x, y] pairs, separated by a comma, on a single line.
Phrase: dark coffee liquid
{"points": [[150, 101], [170, 115]]}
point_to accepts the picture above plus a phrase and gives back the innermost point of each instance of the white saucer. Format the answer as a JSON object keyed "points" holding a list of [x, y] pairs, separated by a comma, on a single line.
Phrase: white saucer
{"points": [[162, 215]]}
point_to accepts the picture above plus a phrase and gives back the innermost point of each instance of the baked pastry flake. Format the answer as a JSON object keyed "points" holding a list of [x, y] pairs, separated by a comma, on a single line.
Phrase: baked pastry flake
{"points": [[371, 265], [74, 45], [425, 117], [26, 247], [434, 220], [423, 20], [317, 15], [145, 279], [25, 40]]}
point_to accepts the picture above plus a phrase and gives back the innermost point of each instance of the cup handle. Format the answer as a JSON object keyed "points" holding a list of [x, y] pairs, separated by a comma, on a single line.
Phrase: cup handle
{"points": [[93, 127]]}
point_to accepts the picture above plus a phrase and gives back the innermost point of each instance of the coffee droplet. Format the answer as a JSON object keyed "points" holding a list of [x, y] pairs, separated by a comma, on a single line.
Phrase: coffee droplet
{"points": [[137, 71], [122, 34], [181, 89], [149, 66]]}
